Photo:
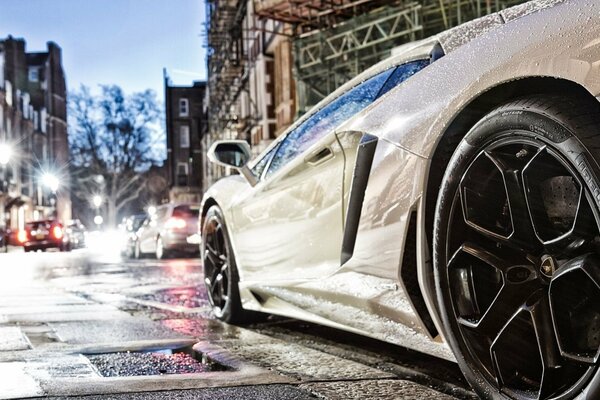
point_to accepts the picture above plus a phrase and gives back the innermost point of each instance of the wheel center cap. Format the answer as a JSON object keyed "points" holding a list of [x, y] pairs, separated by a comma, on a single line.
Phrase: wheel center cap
{"points": [[548, 266]]}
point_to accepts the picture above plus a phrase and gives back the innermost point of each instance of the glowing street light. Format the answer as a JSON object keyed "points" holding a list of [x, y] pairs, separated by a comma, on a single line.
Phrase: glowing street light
{"points": [[50, 181], [6, 152], [98, 220], [97, 200]]}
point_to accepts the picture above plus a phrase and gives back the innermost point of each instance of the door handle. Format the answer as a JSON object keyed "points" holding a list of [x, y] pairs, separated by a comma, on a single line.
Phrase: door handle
{"points": [[320, 156]]}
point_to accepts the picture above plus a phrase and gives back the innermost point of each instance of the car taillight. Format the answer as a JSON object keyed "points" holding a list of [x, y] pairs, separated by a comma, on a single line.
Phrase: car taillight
{"points": [[22, 236], [175, 223], [57, 232]]}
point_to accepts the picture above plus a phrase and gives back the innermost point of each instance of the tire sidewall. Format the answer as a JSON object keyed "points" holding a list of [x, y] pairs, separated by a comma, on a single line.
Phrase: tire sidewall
{"points": [[499, 124]]}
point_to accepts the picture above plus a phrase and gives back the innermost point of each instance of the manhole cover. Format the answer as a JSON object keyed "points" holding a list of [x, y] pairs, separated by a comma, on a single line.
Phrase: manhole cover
{"points": [[154, 362]]}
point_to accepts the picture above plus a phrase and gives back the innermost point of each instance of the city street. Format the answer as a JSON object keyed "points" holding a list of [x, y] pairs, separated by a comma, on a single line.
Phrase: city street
{"points": [[90, 323]]}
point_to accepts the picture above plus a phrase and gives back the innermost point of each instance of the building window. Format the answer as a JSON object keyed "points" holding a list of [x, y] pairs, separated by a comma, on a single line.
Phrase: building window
{"points": [[9, 93], [184, 136], [34, 75], [25, 99], [43, 117], [182, 174], [184, 107]]}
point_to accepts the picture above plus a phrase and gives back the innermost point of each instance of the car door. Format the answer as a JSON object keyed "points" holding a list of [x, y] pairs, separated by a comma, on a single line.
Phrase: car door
{"points": [[289, 227]]}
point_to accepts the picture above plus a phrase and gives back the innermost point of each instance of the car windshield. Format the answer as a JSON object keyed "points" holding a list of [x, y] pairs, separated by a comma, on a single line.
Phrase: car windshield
{"points": [[38, 224]]}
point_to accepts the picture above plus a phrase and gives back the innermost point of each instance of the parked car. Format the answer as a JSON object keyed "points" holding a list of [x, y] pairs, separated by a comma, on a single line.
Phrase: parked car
{"points": [[76, 233], [446, 200], [4, 235], [43, 235], [168, 231], [131, 226]]}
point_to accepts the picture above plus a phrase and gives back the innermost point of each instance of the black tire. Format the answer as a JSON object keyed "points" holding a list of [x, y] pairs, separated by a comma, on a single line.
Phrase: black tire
{"points": [[220, 271], [505, 251]]}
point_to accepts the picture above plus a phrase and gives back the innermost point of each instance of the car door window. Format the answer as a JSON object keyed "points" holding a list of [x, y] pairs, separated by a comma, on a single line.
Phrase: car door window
{"points": [[260, 165], [402, 73], [323, 121]]}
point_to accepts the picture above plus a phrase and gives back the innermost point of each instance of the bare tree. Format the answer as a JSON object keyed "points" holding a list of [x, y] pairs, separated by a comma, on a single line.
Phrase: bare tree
{"points": [[114, 139]]}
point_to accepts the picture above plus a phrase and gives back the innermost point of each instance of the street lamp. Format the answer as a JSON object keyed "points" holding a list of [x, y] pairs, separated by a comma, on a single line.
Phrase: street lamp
{"points": [[5, 154], [97, 200], [50, 181], [98, 220]]}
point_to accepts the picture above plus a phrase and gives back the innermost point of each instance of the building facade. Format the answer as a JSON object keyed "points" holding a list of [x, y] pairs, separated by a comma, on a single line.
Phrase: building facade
{"points": [[251, 90], [33, 124], [186, 125]]}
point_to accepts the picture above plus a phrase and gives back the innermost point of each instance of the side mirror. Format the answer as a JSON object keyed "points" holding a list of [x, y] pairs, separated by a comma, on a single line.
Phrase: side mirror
{"points": [[233, 154], [230, 153]]}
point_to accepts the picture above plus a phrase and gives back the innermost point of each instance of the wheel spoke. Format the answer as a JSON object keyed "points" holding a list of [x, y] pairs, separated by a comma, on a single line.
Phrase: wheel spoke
{"points": [[523, 230], [486, 256], [547, 345], [210, 245], [217, 290], [213, 258], [506, 303]]}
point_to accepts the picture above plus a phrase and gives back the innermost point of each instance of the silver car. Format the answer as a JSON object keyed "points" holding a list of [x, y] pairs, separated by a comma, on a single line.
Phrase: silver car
{"points": [[446, 200], [170, 230]]}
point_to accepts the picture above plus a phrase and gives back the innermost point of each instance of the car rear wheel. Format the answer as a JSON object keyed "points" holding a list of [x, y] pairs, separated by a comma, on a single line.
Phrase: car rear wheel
{"points": [[517, 250], [220, 270]]}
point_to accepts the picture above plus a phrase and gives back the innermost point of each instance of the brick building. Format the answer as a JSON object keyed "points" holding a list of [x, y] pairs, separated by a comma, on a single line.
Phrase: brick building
{"points": [[186, 125], [33, 115]]}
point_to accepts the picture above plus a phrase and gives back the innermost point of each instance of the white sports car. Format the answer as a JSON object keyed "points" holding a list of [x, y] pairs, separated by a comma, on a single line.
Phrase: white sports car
{"points": [[446, 200]]}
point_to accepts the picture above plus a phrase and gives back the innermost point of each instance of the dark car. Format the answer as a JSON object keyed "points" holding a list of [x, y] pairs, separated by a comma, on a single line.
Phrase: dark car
{"points": [[76, 233], [131, 226], [42, 235], [172, 229]]}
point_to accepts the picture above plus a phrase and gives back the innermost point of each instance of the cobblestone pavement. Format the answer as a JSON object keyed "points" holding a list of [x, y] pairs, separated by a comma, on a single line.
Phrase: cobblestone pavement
{"points": [[129, 329]]}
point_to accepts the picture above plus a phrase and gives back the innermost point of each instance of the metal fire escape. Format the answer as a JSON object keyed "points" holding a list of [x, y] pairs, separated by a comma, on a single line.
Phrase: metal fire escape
{"points": [[335, 40], [226, 62]]}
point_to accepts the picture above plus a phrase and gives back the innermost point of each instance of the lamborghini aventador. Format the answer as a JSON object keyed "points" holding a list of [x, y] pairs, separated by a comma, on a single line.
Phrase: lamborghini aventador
{"points": [[446, 200]]}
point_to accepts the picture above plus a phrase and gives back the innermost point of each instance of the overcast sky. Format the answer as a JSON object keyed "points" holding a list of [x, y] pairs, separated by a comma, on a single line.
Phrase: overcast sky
{"points": [[125, 42]]}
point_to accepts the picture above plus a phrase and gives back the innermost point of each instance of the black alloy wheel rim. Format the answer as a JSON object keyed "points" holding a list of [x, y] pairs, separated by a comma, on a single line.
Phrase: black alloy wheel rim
{"points": [[216, 264], [524, 270]]}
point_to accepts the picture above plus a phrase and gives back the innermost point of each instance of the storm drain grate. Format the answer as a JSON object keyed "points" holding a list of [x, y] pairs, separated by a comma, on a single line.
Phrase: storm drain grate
{"points": [[154, 362]]}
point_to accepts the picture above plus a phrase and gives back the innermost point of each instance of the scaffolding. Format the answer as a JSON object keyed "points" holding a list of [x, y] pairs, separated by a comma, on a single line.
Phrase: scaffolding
{"points": [[334, 40]]}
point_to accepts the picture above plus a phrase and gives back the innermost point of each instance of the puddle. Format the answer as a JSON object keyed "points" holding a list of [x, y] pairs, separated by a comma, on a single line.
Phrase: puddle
{"points": [[184, 360], [189, 297]]}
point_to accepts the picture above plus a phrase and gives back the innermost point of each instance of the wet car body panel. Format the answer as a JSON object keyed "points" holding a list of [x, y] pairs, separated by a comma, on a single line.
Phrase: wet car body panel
{"points": [[562, 42]]}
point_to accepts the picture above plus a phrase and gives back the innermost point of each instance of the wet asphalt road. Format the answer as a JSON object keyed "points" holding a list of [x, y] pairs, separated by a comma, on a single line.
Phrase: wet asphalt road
{"points": [[90, 323]]}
